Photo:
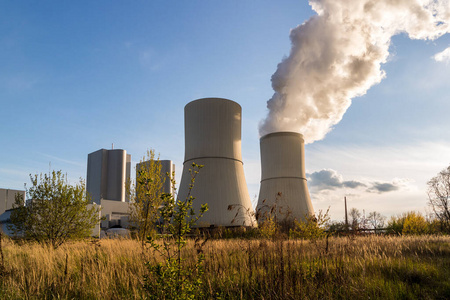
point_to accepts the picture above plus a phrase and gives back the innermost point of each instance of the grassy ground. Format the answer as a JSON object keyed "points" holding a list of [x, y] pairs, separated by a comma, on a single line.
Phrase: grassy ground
{"points": [[373, 267]]}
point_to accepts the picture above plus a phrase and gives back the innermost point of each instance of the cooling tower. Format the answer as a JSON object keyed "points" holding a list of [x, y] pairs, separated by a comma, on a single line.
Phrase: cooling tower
{"points": [[283, 187], [213, 139]]}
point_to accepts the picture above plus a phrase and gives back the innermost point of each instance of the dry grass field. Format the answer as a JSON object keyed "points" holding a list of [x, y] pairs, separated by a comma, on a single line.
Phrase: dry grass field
{"points": [[371, 267]]}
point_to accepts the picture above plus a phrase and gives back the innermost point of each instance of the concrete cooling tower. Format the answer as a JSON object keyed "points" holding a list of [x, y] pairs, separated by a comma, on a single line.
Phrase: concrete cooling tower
{"points": [[283, 187], [213, 139]]}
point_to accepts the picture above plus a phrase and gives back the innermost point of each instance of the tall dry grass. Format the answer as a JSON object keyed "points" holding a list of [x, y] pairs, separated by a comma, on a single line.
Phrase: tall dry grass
{"points": [[109, 269], [359, 268]]}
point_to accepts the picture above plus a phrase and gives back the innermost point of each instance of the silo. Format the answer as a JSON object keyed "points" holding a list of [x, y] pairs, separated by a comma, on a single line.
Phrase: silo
{"points": [[283, 187], [213, 139]]}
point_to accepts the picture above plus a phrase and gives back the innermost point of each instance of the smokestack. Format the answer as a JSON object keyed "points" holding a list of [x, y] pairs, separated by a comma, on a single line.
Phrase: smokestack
{"points": [[283, 181], [213, 139]]}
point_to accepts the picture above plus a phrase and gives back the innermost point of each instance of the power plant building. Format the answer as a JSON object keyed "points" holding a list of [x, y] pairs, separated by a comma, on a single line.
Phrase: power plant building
{"points": [[167, 167], [7, 198], [283, 187], [213, 139], [107, 174]]}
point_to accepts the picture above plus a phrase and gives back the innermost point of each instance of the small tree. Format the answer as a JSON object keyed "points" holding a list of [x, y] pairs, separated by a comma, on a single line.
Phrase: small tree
{"points": [[414, 223], [355, 216], [438, 198], [395, 224], [376, 220], [56, 213], [145, 195], [173, 278]]}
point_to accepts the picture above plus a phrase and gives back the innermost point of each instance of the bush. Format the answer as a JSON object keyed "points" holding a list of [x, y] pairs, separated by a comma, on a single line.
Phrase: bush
{"points": [[414, 223], [57, 211], [312, 228], [409, 223]]}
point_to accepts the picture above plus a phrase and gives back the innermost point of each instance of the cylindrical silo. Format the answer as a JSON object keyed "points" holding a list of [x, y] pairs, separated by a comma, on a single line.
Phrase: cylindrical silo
{"points": [[213, 139], [283, 189]]}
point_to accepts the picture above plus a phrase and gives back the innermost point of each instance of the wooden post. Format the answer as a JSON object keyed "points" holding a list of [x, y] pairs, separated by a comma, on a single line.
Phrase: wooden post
{"points": [[346, 216]]}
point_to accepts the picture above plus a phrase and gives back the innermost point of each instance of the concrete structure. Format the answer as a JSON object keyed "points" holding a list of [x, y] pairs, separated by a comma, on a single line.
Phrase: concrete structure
{"points": [[107, 174], [115, 213], [7, 197], [213, 139], [283, 180], [5, 219], [167, 166]]}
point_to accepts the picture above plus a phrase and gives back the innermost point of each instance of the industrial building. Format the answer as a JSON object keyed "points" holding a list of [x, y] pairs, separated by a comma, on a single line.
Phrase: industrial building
{"points": [[107, 174], [7, 198], [283, 188], [167, 167], [213, 139]]}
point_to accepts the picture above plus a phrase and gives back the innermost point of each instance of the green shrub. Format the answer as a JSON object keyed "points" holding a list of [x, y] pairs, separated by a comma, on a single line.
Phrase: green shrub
{"points": [[312, 228], [175, 277]]}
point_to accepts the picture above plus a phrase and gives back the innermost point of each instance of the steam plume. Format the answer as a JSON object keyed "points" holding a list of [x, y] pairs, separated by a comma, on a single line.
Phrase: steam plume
{"points": [[337, 54]]}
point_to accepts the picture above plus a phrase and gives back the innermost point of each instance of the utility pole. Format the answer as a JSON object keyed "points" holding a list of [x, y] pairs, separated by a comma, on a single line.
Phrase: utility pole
{"points": [[346, 216]]}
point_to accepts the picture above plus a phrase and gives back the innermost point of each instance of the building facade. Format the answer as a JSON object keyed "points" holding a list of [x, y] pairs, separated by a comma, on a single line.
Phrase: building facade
{"points": [[107, 174], [7, 197]]}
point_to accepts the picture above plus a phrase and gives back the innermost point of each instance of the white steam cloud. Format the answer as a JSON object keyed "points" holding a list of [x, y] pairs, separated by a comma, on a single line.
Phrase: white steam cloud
{"points": [[337, 55]]}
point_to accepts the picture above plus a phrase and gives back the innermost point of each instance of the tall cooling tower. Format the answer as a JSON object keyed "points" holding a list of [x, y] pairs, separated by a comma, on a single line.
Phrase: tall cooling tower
{"points": [[213, 139], [283, 187]]}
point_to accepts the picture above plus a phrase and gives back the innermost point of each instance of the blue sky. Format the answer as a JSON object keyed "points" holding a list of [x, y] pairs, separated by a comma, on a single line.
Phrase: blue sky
{"points": [[78, 76]]}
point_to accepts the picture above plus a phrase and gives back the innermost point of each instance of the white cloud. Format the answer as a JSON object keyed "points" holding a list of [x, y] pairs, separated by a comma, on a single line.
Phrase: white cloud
{"points": [[417, 161], [389, 179], [328, 189], [443, 56], [329, 179]]}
